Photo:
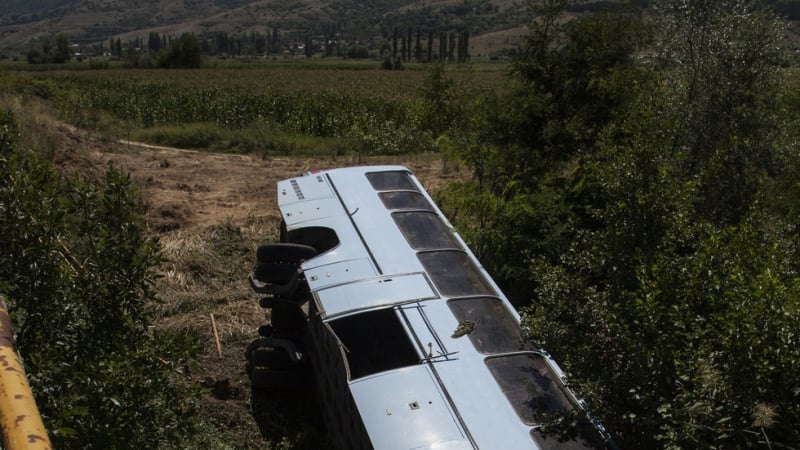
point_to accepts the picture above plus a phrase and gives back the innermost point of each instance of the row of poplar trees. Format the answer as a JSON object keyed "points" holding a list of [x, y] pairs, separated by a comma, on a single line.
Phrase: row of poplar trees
{"points": [[453, 47]]}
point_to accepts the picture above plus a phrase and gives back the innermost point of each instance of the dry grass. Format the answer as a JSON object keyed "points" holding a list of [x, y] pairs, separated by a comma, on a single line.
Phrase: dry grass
{"points": [[484, 45], [204, 274]]}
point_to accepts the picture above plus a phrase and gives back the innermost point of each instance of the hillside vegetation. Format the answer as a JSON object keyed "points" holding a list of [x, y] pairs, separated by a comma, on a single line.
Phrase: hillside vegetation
{"points": [[631, 182], [93, 22]]}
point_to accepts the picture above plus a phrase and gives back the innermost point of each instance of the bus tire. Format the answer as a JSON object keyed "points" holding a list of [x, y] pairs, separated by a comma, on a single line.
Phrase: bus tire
{"points": [[273, 273]]}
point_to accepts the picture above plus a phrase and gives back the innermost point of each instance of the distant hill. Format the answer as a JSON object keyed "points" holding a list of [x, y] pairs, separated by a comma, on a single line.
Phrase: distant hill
{"points": [[369, 22], [493, 25], [22, 7]]}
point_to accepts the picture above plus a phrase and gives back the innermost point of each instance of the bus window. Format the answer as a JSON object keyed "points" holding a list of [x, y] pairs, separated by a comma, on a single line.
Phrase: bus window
{"points": [[454, 274], [531, 388], [404, 200], [496, 330], [374, 341], [425, 230], [391, 181]]}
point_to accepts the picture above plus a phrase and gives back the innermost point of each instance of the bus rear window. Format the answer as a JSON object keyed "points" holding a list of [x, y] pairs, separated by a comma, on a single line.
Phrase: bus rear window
{"points": [[374, 341]]}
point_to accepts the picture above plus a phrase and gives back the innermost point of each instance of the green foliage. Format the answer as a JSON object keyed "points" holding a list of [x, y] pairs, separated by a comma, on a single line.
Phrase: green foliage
{"points": [[324, 113], [51, 50], [442, 110], [653, 199], [8, 132], [268, 106], [524, 146], [77, 272], [373, 124], [358, 52], [694, 355], [377, 134], [722, 60], [190, 136], [392, 63], [258, 139], [184, 53], [575, 77]]}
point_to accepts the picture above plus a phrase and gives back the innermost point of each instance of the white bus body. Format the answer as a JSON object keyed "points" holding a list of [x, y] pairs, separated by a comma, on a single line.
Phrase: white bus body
{"points": [[412, 344]]}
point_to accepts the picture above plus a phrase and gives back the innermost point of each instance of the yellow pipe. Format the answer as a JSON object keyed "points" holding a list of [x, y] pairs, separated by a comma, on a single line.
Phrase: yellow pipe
{"points": [[20, 422]]}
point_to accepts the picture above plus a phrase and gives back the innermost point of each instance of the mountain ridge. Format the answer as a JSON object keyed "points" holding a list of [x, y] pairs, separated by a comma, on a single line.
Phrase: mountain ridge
{"points": [[89, 21]]}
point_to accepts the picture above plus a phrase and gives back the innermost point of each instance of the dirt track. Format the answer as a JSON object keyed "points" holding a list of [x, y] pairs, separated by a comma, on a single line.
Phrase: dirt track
{"points": [[190, 190]]}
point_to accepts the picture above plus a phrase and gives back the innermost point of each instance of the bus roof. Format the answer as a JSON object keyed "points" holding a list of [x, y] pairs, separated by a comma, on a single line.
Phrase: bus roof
{"points": [[435, 351]]}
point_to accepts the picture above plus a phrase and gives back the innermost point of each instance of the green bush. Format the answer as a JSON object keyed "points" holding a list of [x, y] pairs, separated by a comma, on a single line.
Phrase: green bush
{"points": [[76, 270], [51, 50], [182, 54], [644, 210], [190, 136]]}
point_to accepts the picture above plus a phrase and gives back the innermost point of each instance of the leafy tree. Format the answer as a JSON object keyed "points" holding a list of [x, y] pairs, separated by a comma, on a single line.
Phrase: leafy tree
{"points": [[655, 264], [463, 47], [77, 272], [722, 58], [429, 58], [153, 42], [442, 109], [51, 50], [571, 80], [394, 43], [358, 52], [184, 53], [418, 47], [62, 53], [442, 46], [36, 55]]}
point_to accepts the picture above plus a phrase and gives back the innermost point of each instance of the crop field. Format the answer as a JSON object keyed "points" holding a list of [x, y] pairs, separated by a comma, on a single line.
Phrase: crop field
{"points": [[262, 107], [266, 107]]}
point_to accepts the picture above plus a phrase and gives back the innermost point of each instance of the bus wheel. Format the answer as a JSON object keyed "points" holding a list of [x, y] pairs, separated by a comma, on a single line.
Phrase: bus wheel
{"points": [[273, 273]]}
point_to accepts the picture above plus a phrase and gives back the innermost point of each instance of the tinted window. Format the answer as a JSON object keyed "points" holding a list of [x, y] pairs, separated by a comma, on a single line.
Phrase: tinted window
{"points": [[454, 274], [495, 329], [536, 395], [391, 181], [425, 230], [404, 200]]}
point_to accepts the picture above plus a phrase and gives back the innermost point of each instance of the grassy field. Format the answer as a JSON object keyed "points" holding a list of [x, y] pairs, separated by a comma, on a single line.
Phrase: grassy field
{"points": [[254, 106]]}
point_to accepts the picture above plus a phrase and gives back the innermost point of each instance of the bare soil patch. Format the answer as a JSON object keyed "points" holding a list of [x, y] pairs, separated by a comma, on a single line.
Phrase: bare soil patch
{"points": [[191, 190]]}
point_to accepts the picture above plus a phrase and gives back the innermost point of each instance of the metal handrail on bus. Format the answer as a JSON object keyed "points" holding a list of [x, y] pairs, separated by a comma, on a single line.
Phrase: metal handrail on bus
{"points": [[21, 424]]}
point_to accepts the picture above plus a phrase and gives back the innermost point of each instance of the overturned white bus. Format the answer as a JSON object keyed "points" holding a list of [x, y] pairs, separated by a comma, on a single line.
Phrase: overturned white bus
{"points": [[411, 343]]}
